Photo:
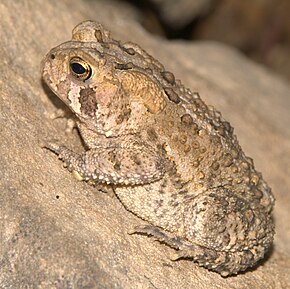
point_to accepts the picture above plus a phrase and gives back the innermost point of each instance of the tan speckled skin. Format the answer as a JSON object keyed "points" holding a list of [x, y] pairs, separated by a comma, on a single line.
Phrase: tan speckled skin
{"points": [[171, 159]]}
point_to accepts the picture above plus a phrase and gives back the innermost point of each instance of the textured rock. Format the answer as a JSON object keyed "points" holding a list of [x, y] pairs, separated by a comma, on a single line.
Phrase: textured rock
{"points": [[57, 232]]}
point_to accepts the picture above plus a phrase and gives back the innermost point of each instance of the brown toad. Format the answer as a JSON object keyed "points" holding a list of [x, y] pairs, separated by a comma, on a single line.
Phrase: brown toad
{"points": [[171, 159]]}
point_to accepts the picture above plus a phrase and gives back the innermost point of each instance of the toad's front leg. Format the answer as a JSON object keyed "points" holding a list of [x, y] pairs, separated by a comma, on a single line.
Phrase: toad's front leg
{"points": [[129, 163]]}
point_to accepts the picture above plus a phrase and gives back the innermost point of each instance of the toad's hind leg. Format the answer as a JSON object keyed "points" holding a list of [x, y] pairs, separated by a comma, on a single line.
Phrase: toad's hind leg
{"points": [[185, 249], [205, 257], [160, 235]]}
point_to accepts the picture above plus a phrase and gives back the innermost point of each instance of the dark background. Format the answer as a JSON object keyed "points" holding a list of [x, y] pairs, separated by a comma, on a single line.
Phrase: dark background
{"points": [[260, 29]]}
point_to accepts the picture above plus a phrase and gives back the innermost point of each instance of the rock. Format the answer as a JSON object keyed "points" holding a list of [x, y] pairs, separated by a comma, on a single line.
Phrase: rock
{"points": [[57, 232]]}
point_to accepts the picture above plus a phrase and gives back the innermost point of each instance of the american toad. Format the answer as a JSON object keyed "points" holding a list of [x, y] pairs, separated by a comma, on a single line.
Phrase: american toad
{"points": [[171, 159]]}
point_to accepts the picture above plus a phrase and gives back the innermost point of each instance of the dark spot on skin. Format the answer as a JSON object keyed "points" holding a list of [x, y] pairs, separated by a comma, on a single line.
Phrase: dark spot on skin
{"points": [[164, 213], [113, 157], [221, 228], [98, 35], [202, 150], [173, 203], [183, 192], [136, 160], [215, 166], [187, 119], [164, 183], [168, 76], [195, 144], [178, 184], [88, 101], [159, 203], [130, 51], [221, 131], [228, 127], [183, 139], [226, 237], [117, 165], [172, 169], [188, 197], [52, 56], [126, 112], [124, 66], [173, 96], [228, 160], [238, 205], [152, 135], [119, 118]]}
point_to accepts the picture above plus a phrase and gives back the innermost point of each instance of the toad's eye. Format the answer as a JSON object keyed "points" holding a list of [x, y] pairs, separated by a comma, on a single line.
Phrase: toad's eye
{"points": [[80, 69]]}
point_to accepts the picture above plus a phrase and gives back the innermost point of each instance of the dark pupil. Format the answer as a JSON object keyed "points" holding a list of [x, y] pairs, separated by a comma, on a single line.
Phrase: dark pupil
{"points": [[77, 68]]}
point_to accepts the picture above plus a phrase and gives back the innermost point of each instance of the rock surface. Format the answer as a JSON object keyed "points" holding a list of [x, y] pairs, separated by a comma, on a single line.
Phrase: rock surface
{"points": [[57, 232]]}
